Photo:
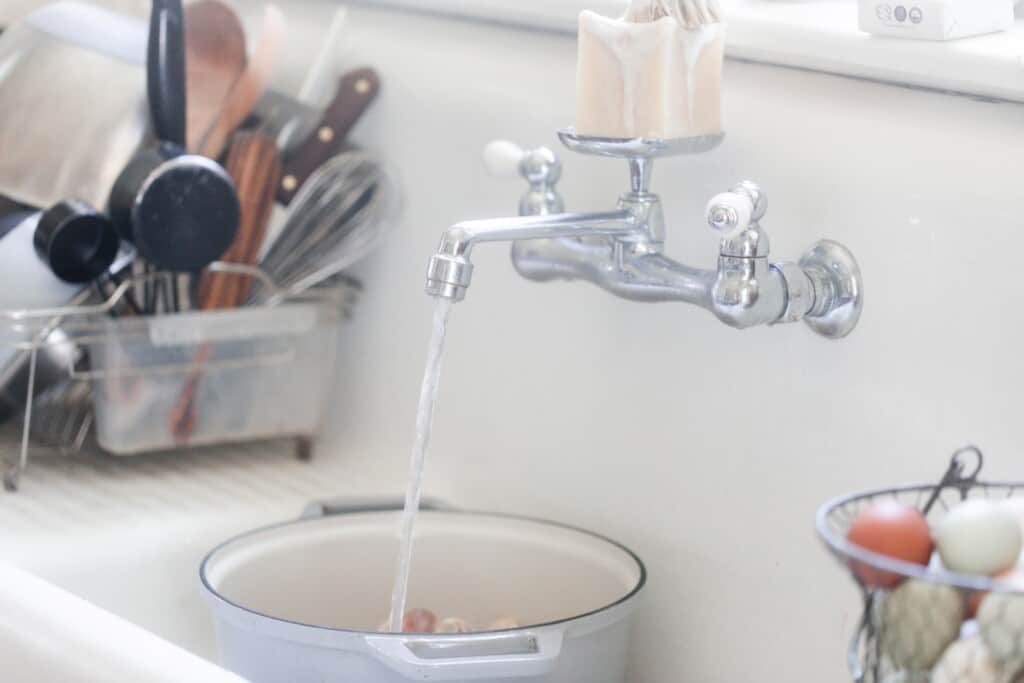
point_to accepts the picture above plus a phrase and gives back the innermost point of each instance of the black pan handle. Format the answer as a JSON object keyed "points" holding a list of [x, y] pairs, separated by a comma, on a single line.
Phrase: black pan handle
{"points": [[165, 70]]}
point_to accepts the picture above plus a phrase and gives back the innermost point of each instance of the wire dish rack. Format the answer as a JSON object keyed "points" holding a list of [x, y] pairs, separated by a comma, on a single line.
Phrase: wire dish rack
{"points": [[868, 657], [90, 379]]}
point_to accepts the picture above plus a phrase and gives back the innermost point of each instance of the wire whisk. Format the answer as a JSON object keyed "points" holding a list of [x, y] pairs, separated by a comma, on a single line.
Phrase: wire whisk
{"points": [[338, 217]]}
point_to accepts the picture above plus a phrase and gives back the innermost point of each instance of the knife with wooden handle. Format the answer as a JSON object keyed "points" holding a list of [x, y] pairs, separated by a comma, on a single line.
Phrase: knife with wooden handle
{"points": [[356, 91]]}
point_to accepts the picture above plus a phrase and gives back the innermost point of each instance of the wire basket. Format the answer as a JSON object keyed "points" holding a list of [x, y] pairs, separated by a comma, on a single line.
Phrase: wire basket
{"points": [[869, 656]]}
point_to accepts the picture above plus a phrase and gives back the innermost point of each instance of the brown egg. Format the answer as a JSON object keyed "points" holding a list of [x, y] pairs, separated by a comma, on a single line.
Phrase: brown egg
{"points": [[1013, 576], [419, 621], [892, 529]]}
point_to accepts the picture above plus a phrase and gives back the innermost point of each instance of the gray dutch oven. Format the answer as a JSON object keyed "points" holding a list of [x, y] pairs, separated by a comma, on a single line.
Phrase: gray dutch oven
{"points": [[303, 601]]}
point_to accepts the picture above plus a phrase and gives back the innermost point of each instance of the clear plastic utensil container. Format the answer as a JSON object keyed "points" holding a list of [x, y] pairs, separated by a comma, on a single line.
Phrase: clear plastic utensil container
{"points": [[240, 375]]}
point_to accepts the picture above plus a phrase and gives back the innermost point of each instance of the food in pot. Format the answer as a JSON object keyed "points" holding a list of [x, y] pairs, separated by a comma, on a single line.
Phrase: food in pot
{"points": [[892, 529], [425, 621], [453, 625], [504, 624], [918, 622], [419, 621], [979, 537], [415, 621]]}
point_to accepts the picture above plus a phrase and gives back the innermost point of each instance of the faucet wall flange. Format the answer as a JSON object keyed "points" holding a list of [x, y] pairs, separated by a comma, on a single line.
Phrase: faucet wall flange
{"points": [[839, 289], [800, 294]]}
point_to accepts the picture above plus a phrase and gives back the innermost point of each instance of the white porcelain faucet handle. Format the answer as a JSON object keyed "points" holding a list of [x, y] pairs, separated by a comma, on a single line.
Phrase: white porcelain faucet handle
{"points": [[730, 213], [502, 158]]}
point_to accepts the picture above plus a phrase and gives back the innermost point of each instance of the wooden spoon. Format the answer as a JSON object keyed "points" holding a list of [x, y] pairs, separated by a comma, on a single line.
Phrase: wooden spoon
{"points": [[250, 86], [215, 57]]}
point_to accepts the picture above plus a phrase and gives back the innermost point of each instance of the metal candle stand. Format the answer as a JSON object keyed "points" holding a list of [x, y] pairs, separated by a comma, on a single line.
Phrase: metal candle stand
{"points": [[286, 344]]}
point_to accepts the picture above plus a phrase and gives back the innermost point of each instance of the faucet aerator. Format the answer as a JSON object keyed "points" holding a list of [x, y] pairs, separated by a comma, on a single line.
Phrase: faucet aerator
{"points": [[449, 277]]}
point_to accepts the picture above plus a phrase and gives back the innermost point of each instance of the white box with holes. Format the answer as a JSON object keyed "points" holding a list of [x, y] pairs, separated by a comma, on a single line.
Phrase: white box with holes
{"points": [[935, 19]]}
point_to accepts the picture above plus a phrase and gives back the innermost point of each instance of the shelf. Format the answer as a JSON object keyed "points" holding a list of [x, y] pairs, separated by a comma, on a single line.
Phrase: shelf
{"points": [[820, 35]]}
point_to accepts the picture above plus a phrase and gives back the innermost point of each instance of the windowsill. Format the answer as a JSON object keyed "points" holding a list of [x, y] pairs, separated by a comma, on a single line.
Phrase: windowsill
{"points": [[821, 35]]}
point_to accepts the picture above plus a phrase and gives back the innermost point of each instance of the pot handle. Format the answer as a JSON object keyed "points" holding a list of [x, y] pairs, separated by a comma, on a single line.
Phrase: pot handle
{"points": [[507, 655], [344, 506]]}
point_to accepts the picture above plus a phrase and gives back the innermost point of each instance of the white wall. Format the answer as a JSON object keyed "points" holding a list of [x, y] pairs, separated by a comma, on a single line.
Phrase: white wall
{"points": [[705, 449]]}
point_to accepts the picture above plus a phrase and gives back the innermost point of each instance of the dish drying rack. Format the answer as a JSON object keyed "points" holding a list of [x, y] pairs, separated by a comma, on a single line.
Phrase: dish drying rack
{"points": [[124, 385], [865, 656]]}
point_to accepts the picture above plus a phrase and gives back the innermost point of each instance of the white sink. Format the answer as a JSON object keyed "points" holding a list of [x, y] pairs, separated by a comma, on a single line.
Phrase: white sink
{"points": [[48, 634], [128, 536]]}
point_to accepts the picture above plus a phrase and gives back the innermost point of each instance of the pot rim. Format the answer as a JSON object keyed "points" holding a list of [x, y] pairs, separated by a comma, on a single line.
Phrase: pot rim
{"points": [[214, 593]]}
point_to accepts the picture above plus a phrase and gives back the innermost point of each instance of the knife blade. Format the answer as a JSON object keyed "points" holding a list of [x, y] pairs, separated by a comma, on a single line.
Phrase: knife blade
{"points": [[290, 120], [285, 119]]}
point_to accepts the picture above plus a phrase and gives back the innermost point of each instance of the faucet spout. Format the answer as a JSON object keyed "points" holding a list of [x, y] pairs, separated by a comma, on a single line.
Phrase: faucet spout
{"points": [[451, 270]]}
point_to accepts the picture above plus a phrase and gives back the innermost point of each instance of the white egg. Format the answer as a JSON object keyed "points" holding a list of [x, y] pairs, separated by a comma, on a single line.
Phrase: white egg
{"points": [[919, 620], [968, 661], [979, 537], [1001, 623]]}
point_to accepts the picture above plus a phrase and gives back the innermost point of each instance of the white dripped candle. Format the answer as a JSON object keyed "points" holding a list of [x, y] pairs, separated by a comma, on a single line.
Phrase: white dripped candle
{"points": [[648, 79]]}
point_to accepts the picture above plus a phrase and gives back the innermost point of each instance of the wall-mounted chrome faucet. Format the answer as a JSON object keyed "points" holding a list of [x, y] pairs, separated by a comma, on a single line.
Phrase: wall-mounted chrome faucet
{"points": [[622, 250]]}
